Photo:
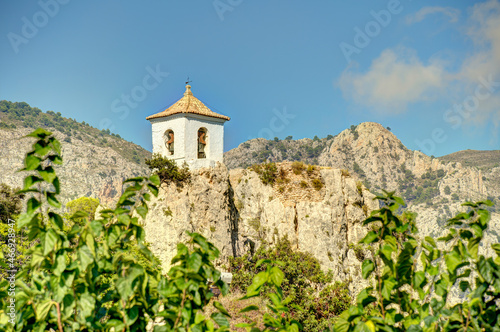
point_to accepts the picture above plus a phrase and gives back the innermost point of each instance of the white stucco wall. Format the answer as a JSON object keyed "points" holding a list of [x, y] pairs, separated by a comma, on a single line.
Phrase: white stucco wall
{"points": [[185, 128]]}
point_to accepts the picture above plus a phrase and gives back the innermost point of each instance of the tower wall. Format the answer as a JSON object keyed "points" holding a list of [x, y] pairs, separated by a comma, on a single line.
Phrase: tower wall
{"points": [[185, 128]]}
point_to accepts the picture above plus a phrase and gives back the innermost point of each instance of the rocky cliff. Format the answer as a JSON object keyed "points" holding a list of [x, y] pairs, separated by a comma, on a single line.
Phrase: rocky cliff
{"points": [[237, 212]]}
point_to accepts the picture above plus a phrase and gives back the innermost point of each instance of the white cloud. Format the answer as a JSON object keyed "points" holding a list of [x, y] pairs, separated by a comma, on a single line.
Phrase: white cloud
{"points": [[394, 80], [419, 16], [398, 77]]}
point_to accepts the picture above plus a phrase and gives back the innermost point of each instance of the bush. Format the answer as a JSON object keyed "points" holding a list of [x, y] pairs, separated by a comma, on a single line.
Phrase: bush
{"points": [[314, 301], [303, 184], [317, 184], [167, 169], [298, 167], [405, 296], [310, 169]]}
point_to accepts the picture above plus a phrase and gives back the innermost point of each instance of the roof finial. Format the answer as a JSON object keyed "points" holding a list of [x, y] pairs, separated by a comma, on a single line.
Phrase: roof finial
{"points": [[188, 88]]}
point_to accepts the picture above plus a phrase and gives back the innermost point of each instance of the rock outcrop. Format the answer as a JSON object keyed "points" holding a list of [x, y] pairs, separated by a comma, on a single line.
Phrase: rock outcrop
{"points": [[238, 213]]}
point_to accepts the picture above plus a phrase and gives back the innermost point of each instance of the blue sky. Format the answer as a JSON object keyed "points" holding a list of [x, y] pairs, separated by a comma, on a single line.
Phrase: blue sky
{"points": [[430, 70]]}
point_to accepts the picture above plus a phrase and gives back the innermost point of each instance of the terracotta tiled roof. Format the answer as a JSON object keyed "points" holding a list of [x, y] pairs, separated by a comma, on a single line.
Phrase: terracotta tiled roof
{"points": [[188, 104]]}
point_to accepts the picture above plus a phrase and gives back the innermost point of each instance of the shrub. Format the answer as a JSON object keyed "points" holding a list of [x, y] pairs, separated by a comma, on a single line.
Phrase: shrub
{"points": [[405, 296], [303, 184], [345, 172], [268, 174], [167, 169], [317, 184], [310, 169], [298, 167], [302, 279]]}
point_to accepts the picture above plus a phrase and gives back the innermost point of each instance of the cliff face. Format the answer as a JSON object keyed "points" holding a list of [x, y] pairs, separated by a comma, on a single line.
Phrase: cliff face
{"points": [[238, 213], [87, 170]]}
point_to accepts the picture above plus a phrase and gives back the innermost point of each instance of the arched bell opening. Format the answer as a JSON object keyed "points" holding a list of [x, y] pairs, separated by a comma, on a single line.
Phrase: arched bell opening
{"points": [[169, 141], [202, 143]]}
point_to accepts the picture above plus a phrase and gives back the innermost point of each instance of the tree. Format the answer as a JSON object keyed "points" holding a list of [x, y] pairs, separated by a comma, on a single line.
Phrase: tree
{"points": [[87, 205], [167, 169], [406, 297]]}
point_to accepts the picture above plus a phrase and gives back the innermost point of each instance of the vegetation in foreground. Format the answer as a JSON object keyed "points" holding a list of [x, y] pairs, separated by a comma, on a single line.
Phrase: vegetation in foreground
{"points": [[87, 279]]}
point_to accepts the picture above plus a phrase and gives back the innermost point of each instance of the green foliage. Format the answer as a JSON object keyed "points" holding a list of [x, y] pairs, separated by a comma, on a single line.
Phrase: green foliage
{"points": [[167, 169], [407, 297], [317, 184], [101, 276], [298, 167], [271, 279], [87, 278], [88, 205], [10, 203], [267, 172], [303, 277], [310, 169]]}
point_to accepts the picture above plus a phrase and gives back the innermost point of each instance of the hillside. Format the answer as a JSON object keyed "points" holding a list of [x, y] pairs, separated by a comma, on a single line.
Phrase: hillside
{"points": [[380, 160], [95, 161]]}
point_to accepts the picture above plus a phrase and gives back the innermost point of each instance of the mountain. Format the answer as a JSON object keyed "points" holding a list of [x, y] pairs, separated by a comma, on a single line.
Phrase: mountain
{"points": [[380, 160], [95, 161]]}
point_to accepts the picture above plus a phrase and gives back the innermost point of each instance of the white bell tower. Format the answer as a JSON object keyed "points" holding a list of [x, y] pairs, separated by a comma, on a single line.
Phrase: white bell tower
{"points": [[188, 131]]}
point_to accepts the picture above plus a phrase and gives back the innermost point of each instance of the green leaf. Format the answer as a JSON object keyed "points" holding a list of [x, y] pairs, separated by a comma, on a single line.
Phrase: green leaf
{"points": [[42, 309], [221, 308], [262, 261], [194, 261], [142, 210], [56, 220], [60, 265], [431, 241], [361, 327], [464, 285], [220, 319], [153, 189], [260, 279], [496, 247], [31, 162], [342, 325], [48, 174], [371, 237], [249, 308], [387, 287], [50, 241], [364, 298], [473, 246], [155, 179], [367, 268], [452, 260], [30, 181], [39, 133], [52, 200], [32, 205], [276, 276], [85, 257]]}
